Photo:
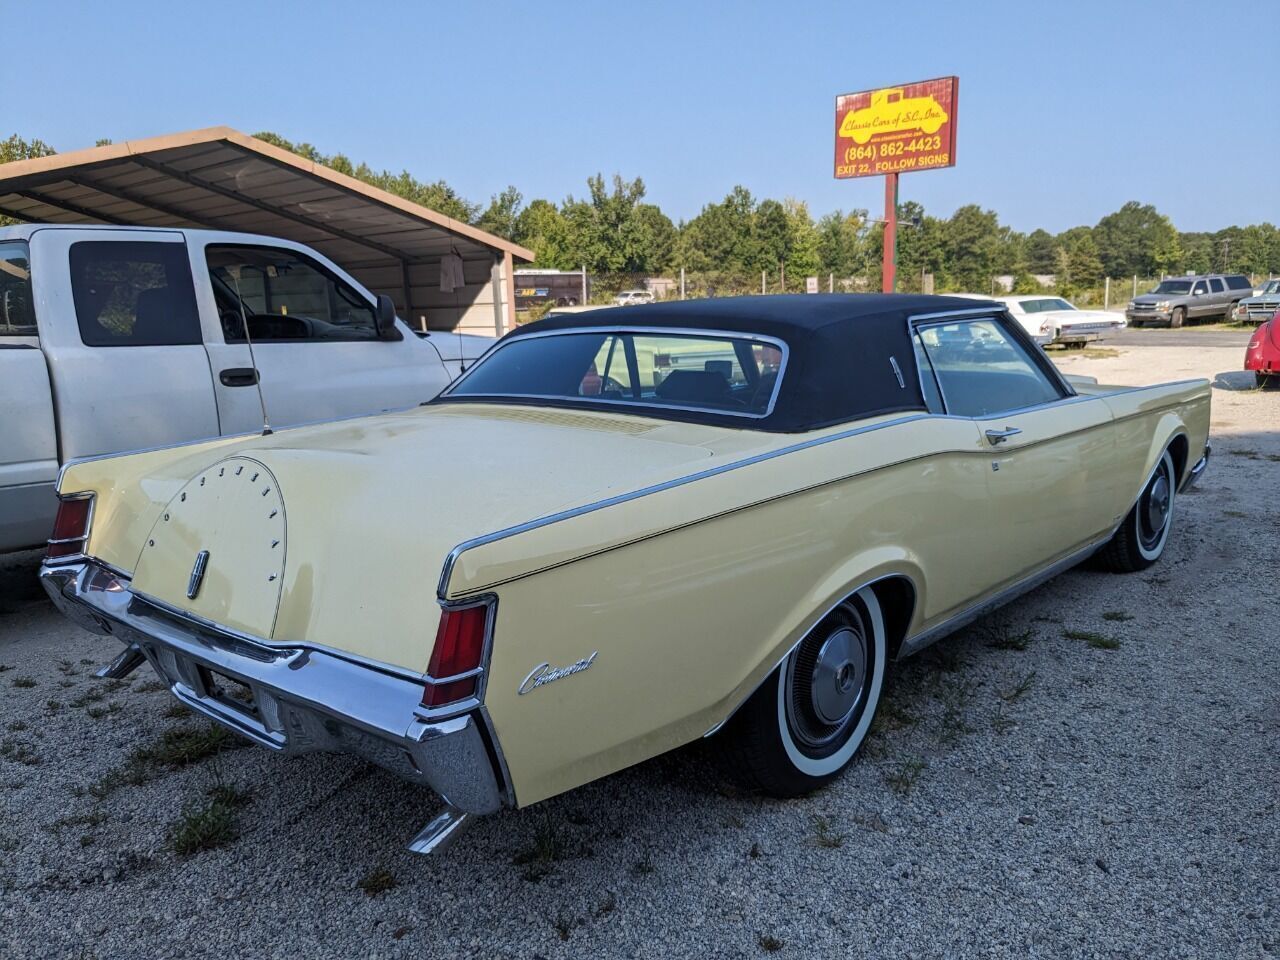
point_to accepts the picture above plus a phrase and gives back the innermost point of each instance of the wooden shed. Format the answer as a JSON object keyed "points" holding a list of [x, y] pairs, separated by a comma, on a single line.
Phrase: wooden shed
{"points": [[221, 179]]}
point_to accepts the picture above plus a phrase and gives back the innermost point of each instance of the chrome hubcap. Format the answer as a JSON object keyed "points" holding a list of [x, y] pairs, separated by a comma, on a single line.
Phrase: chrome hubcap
{"points": [[837, 675], [1154, 513]]}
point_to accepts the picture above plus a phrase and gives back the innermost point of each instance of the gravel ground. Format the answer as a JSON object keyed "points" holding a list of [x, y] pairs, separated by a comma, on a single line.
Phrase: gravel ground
{"points": [[1025, 793]]}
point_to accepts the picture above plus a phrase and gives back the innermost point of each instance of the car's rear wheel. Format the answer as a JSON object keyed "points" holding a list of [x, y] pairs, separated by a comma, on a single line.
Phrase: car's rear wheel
{"points": [[808, 720], [1142, 536], [1178, 317]]}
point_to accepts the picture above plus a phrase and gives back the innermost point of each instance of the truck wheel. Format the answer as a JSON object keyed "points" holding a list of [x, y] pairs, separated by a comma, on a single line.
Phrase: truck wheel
{"points": [[806, 722], [1141, 538], [1179, 316], [1231, 308]]}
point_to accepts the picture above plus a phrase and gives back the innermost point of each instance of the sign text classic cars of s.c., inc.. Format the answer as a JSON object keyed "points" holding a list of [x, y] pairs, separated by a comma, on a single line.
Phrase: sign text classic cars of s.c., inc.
{"points": [[897, 129]]}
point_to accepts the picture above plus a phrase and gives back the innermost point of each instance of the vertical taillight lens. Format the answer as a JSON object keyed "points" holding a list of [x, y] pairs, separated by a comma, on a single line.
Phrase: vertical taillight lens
{"points": [[70, 528], [454, 671]]}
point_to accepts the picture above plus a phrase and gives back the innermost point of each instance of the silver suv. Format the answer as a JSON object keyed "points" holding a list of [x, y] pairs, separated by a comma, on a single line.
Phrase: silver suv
{"points": [[1179, 299]]}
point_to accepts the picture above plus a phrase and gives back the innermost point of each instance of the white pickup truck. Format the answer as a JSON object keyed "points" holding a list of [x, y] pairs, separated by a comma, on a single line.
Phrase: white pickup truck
{"points": [[123, 338]]}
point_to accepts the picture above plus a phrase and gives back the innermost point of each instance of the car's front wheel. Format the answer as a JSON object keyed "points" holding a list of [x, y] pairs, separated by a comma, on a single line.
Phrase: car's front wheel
{"points": [[1142, 536], [807, 721], [1178, 317]]}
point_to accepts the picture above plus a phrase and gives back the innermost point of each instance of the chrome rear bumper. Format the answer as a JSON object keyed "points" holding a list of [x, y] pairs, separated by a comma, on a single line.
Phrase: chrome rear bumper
{"points": [[299, 699]]}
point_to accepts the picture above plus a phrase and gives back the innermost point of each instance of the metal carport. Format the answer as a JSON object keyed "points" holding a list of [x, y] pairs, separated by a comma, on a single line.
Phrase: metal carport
{"points": [[221, 179]]}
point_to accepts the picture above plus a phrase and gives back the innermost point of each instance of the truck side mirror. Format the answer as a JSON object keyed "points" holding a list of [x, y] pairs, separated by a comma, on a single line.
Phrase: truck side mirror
{"points": [[384, 318]]}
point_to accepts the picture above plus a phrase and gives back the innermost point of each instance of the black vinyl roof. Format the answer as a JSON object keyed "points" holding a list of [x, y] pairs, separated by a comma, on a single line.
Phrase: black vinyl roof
{"points": [[842, 349]]}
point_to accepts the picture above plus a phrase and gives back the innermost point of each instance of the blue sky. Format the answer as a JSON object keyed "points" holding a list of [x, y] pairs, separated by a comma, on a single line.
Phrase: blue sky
{"points": [[1066, 110]]}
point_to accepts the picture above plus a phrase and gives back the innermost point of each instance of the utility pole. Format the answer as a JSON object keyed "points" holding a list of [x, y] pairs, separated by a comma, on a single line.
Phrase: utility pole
{"points": [[682, 283], [763, 291]]}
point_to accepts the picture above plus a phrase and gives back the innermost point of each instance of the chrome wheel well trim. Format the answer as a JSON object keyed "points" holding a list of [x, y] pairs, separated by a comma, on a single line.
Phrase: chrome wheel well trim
{"points": [[844, 598]]}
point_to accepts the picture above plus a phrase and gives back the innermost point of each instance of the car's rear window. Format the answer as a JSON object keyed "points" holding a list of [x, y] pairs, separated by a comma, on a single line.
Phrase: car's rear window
{"points": [[1238, 282], [725, 374]]}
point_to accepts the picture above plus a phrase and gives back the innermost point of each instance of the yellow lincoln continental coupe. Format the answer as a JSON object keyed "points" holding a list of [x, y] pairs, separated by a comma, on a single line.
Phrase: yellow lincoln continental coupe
{"points": [[465, 592]]}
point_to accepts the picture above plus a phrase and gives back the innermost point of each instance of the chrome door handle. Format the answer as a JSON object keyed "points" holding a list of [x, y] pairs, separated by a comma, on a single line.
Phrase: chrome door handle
{"points": [[996, 437]]}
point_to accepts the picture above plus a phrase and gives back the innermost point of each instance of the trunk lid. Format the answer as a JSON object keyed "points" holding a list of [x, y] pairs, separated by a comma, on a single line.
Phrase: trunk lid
{"points": [[336, 534]]}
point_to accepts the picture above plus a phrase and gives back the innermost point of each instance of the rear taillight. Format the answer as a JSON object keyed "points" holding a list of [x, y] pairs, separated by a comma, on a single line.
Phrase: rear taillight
{"points": [[70, 528], [455, 668]]}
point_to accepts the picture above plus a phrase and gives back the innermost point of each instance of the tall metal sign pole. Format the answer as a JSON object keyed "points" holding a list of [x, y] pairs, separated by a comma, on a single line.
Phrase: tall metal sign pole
{"points": [[891, 131], [889, 269]]}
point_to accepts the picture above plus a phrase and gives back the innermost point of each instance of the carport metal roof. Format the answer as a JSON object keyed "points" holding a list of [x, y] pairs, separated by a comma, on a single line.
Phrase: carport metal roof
{"points": [[221, 179]]}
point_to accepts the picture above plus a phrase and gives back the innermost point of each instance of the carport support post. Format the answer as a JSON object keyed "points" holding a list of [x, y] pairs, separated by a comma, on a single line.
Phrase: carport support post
{"points": [[495, 280], [408, 304], [889, 273]]}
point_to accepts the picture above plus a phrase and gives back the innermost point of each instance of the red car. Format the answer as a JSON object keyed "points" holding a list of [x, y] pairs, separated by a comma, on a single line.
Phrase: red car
{"points": [[1262, 356]]}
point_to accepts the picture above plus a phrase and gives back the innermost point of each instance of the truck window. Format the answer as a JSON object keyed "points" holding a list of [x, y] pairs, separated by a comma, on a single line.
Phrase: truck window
{"points": [[284, 295], [17, 314], [133, 294], [1199, 289], [1215, 285], [1239, 282]]}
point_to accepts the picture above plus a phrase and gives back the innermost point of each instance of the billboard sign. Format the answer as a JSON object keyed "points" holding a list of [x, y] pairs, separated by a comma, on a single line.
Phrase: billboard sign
{"points": [[897, 129]]}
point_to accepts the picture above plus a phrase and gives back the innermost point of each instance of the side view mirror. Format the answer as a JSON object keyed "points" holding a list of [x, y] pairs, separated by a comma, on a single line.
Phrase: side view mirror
{"points": [[384, 318]]}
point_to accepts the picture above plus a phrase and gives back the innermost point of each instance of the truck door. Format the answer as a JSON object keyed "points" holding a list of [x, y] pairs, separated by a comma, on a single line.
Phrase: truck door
{"points": [[28, 444], [313, 337], [121, 334]]}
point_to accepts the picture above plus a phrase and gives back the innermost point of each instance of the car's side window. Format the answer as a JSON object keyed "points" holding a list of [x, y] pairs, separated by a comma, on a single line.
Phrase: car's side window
{"points": [[928, 379], [133, 294], [284, 295], [1238, 282], [1199, 289], [982, 370], [1215, 285], [17, 312]]}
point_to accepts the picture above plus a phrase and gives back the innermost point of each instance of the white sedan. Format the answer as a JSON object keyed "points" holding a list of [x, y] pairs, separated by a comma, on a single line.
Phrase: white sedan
{"points": [[1054, 320]]}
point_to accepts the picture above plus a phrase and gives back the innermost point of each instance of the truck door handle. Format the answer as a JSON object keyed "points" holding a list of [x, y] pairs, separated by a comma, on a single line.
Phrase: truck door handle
{"points": [[238, 377], [997, 437]]}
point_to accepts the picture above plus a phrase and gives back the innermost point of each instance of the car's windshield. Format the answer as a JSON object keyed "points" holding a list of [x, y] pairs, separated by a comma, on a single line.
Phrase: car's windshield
{"points": [[713, 372], [1271, 286], [1173, 286]]}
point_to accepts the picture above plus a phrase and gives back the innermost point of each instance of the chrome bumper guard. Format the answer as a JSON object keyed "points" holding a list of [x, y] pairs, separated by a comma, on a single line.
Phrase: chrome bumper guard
{"points": [[1198, 469], [302, 699]]}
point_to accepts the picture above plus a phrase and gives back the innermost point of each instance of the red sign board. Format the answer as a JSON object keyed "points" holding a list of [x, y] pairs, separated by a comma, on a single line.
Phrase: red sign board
{"points": [[897, 129]]}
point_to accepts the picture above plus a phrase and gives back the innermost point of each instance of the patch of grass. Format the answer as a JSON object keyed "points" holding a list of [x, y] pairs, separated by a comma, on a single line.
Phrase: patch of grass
{"points": [[1099, 641], [97, 713], [1235, 514], [823, 835], [1116, 616], [545, 849], [92, 695], [88, 839], [17, 726], [1002, 636], [53, 706], [67, 668], [24, 683], [770, 944], [203, 826], [955, 698], [902, 779], [377, 881], [896, 714], [134, 772], [150, 686], [177, 710], [18, 751], [184, 746], [644, 867], [1019, 689], [1000, 723]]}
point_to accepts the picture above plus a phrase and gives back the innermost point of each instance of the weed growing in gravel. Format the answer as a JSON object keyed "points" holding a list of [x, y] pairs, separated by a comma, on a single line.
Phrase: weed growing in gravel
{"points": [[564, 925], [134, 772], [18, 751], [823, 835], [17, 726], [67, 668], [377, 881], [1116, 616], [545, 849], [177, 711], [1000, 635], [903, 778], [184, 746], [1099, 641], [53, 706], [896, 714], [93, 818], [23, 683], [1018, 690], [92, 695], [97, 713], [770, 944], [871, 822], [203, 826], [1000, 723], [644, 867], [955, 698], [609, 904]]}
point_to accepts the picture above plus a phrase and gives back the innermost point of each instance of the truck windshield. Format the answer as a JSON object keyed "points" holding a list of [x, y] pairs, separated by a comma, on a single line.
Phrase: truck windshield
{"points": [[716, 373], [1271, 286], [1173, 286], [17, 313]]}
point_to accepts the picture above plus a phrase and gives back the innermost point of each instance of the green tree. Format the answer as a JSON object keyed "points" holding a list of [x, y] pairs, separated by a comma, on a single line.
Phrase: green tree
{"points": [[503, 214], [1079, 264], [842, 246], [16, 148], [1136, 239], [921, 249], [972, 246], [1041, 252], [542, 228], [722, 236]]}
